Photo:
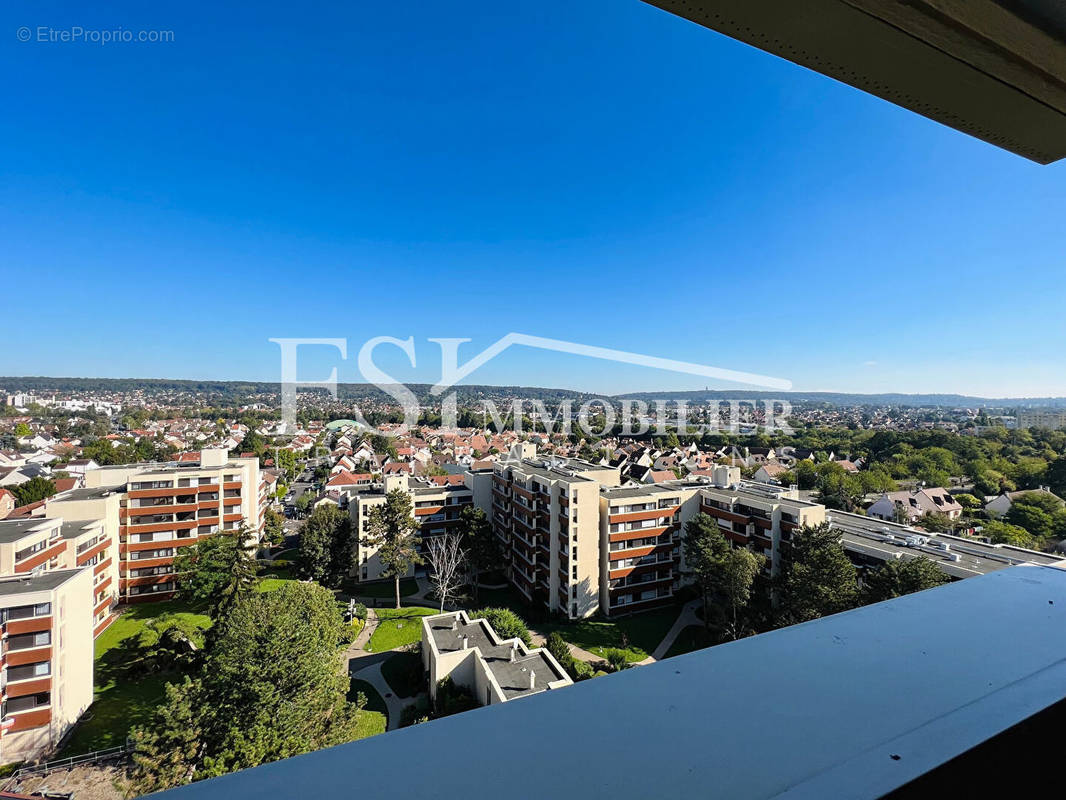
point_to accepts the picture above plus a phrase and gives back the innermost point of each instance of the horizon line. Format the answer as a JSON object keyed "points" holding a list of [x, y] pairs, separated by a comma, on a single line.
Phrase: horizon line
{"points": [[430, 384]]}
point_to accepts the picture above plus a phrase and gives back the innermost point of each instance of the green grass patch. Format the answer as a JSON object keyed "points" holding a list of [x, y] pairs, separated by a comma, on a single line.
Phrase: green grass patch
{"points": [[398, 627], [134, 618], [404, 674], [374, 717], [692, 637], [382, 590], [120, 702], [638, 635], [270, 584]]}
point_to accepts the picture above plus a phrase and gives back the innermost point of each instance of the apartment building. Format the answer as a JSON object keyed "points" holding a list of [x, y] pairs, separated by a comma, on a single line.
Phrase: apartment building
{"points": [[90, 522], [1051, 418], [546, 514], [760, 517], [46, 659], [45, 544], [640, 552], [436, 508], [164, 507]]}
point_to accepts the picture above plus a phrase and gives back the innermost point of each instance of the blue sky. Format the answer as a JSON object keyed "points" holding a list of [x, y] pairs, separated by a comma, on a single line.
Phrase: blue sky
{"points": [[601, 172]]}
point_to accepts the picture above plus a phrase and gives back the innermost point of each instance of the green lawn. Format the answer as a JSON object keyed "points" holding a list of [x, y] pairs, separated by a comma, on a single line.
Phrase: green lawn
{"points": [[692, 637], [270, 584], [638, 635], [398, 627], [120, 703], [373, 719], [382, 589], [404, 674]]}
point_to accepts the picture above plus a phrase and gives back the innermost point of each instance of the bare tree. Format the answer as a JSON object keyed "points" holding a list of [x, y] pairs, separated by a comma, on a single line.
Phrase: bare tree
{"points": [[446, 561]]}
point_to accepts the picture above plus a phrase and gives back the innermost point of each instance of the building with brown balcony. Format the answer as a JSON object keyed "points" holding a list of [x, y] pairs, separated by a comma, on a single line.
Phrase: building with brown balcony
{"points": [[436, 508], [164, 507], [760, 517], [640, 552], [45, 544], [46, 659], [546, 514]]}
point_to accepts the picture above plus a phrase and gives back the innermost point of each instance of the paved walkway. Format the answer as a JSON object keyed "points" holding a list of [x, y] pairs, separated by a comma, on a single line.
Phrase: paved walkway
{"points": [[358, 647], [540, 640], [372, 675], [684, 619]]}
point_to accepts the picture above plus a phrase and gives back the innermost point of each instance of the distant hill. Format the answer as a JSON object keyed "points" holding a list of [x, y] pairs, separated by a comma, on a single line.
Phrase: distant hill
{"points": [[848, 399], [234, 390]]}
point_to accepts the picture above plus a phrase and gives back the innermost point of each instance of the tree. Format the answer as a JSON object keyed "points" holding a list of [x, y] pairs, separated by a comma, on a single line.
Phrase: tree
{"points": [[32, 491], [23, 431], [560, 650], [303, 502], [272, 687], [218, 570], [1005, 533], [446, 561], [393, 529], [166, 642], [704, 547], [936, 522], [273, 527], [286, 462], [1038, 522], [897, 578], [737, 568], [484, 553], [326, 549], [819, 580], [506, 623], [169, 751]]}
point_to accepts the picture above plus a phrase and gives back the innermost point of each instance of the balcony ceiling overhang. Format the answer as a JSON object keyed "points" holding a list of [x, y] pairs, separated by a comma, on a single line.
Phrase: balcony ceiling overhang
{"points": [[995, 69]]}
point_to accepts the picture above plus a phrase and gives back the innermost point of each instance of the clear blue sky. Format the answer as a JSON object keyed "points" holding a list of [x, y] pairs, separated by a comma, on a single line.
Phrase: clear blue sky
{"points": [[601, 172]]}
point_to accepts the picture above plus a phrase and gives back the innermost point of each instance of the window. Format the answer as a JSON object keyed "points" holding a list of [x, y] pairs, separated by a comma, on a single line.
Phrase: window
{"points": [[26, 671], [25, 641], [29, 551], [26, 703]]}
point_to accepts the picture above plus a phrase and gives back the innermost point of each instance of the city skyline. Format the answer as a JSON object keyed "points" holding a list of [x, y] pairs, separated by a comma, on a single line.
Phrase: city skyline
{"points": [[627, 180]]}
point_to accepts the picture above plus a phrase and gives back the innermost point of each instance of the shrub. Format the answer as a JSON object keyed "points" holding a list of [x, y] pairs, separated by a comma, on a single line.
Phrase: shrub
{"points": [[561, 651], [412, 715], [582, 671], [453, 698], [506, 623], [360, 611], [617, 658]]}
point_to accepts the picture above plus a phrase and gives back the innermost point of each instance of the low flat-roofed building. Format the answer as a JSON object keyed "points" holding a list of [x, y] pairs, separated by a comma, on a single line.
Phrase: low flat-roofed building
{"points": [[475, 657], [870, 541]]}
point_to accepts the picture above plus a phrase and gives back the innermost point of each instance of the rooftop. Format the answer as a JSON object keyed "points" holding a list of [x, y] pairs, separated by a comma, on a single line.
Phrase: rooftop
{"points": [[956, 555], [39, 582], [513, 676], [11, 530]]}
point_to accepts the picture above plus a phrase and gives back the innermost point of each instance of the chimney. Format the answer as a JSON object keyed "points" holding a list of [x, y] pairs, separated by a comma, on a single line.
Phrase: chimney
{"points": [[465, 638], [455, 624], [532, 679], [514, 651]]}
